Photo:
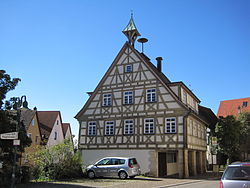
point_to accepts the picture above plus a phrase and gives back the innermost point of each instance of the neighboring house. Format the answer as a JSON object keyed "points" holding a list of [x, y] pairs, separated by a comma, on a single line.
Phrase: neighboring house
{"points": [[137, 111], [30, 121], [234, 107], [67, 131], [50, 123]]}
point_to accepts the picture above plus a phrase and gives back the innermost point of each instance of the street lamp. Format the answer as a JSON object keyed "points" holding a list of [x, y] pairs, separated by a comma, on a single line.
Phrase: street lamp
{"points": [[17, 104]]}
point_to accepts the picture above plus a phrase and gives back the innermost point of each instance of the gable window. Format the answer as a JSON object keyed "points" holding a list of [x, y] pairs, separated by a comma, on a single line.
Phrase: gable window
{"points": [[57, 122], [170, 125], [55, 136], [92, 128], [129, 126], [109, 128], [33, 122], [128, 68], [151, 95], [128, 97], [107, 99], [149, 126], [244, 104]]}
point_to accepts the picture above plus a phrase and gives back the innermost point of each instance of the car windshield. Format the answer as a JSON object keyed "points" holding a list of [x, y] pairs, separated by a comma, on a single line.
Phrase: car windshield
{"points": [[237, 173]]}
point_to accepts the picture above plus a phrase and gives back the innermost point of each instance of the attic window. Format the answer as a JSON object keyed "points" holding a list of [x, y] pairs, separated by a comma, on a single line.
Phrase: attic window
{"points": [[128, 68], [244, 104]]}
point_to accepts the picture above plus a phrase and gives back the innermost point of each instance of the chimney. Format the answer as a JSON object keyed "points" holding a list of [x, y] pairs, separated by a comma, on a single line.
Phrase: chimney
{"points": [[159, 59]]}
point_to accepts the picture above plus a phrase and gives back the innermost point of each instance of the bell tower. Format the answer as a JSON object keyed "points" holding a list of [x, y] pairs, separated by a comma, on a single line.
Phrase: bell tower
{"points": [[131, 31]]}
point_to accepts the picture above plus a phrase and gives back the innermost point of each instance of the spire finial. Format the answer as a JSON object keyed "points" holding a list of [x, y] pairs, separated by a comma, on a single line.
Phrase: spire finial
{"points": [[131, 31]]}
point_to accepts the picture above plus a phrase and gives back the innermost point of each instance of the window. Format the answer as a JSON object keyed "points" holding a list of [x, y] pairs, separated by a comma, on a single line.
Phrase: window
{"points": [[151, 95], [128, 97], [128, 68], [55, 136], [37, 139], [107, 100], [57, 122], [149, 126], [171, 158], [184, 97], [30, 136], [244, 104], [191, 127], [92, 128], [170, 125], [33, 122], [109, 128], [104, 162], [129, 126]]}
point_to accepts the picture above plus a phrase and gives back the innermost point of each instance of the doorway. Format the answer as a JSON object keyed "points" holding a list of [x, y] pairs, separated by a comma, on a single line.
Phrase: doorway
{"points": [[162, 164]]}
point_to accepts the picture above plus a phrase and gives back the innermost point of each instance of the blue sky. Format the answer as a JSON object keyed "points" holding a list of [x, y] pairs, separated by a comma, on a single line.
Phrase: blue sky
{"points": [[61, 48]]}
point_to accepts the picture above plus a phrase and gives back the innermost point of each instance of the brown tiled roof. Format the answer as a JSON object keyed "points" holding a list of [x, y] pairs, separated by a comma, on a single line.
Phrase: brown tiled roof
{"points": [[234, 107], [26, 117], [65, 127], [46, 121]]}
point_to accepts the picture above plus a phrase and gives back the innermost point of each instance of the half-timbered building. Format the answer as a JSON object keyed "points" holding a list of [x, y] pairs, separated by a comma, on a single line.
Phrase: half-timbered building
{"points": [[135, 110]]}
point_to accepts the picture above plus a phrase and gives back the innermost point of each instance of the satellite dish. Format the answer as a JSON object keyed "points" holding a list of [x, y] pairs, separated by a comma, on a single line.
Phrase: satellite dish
{"points": [[142, 41]]}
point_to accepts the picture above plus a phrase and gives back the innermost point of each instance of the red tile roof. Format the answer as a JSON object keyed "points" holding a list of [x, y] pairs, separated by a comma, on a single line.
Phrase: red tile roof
{"points": [[234, 107]]}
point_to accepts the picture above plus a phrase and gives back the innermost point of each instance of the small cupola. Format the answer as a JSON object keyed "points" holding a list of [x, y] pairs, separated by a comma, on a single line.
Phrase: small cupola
{"points": [[131, 31]]}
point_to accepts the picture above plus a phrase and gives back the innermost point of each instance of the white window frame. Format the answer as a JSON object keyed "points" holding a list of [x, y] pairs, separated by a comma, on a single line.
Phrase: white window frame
{"points": [[128, 68], [128, 126], [107, 99], [170, 125], [128, 97], [151, 95], [109, 128], [149, 126], [92, 128]]}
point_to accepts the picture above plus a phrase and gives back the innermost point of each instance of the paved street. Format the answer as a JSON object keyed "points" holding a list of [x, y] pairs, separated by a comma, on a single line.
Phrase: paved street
{"points": [[139, 182], [201, 184]]}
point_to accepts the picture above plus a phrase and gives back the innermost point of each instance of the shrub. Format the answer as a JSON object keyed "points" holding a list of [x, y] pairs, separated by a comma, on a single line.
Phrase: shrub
{"points": [[57, 162]]}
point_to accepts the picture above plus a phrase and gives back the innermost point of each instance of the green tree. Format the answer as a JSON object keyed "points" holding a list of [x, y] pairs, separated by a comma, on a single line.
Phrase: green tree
{"points": [[244, 119], [8, 123], [228, 136]]}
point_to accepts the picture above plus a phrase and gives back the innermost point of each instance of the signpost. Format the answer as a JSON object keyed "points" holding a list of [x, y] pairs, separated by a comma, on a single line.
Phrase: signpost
{"points": [[9, 136]]}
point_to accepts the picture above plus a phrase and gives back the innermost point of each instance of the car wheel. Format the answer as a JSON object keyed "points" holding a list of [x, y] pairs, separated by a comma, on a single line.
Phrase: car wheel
{"points": [[122, 175], [91, 174]]}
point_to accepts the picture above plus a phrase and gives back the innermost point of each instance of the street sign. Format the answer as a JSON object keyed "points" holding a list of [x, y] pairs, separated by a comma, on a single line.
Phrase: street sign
{"points": [[16, 142], [9, 136]]}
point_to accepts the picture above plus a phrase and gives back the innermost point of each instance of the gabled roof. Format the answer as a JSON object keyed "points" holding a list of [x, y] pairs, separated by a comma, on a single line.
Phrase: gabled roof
{"points": [[26, 116], [47, 120], [208, 115], [161, 77], [233, 107], [186, 88], [65, 127]]}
